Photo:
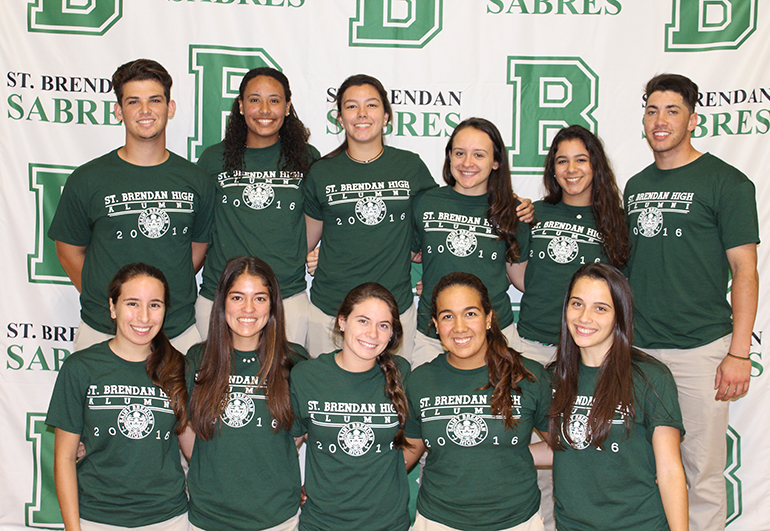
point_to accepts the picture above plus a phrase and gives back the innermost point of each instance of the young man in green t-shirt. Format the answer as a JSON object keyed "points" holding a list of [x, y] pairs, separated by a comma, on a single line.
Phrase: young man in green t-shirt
{"points": [[693, 222], [139, 203]]}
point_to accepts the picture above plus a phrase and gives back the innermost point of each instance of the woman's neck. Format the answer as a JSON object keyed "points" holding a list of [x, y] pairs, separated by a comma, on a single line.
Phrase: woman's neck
{"points": [[128, 351], [365, 153]]}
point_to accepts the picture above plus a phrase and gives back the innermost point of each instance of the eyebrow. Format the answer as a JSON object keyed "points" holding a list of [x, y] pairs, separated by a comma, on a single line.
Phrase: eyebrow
{"points": [[268, 95]]}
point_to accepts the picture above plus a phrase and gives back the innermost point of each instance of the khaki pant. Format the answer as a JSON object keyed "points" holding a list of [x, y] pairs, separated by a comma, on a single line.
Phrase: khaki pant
{"points": [[87, 336], [704, 448], [423, 524], [289, 525], [320, 332]]}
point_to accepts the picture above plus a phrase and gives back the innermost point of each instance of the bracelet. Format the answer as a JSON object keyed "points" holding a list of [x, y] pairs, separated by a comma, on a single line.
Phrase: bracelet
{"points": [[738, 357]]}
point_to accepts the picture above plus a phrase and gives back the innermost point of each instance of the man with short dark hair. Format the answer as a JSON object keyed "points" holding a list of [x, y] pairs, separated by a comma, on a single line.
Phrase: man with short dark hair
{"points": [[138, 203], [693, 222]]}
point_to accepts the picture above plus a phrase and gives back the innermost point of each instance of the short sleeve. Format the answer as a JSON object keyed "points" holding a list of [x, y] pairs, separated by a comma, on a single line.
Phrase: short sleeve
{"points": [[204, 216], [412, 429], [71, 223], [661, 400], [737, 216], [299, 427], [313, 206], [523, 233], [68, 399]]}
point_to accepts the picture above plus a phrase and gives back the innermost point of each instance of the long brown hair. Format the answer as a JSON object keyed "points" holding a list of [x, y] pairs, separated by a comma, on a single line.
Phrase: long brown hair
{"points": [[394, 382], [505, 365], [293, 134], [502, 205], [211, 391], [615, 385], [606, 201], [165, 365], [358, 80]]}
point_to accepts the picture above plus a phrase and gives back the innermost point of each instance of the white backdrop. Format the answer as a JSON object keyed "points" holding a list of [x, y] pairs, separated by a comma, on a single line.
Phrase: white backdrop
{"points": [[528, 65]]}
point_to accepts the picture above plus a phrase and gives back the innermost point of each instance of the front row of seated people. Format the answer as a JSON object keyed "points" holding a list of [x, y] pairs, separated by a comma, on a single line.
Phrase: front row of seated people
{"points": [[238, 402], [689, 221]]}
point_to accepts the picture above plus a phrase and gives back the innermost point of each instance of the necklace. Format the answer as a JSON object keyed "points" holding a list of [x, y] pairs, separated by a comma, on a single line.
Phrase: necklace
{"points": [[250, 360], [378, 155]]}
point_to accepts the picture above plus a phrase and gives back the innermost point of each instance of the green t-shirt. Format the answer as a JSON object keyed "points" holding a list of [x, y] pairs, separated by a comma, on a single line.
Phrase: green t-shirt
{"points": [[615, 489], [681, 222], [125, 213], [131, 474], [563, 239], [258, 213], [246, 477], [354, 478], [478, 476], [366, 211], [454, 234]]}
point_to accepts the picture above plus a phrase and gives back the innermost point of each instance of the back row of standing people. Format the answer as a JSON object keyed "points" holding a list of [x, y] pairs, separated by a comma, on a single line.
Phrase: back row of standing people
{"points": [[691, 220]]}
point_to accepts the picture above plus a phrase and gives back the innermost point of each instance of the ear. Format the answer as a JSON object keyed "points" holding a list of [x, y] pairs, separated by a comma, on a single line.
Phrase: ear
{"points": [[288, 108], [387, 119], [240, 105], [171, 109], [113, 315], [118, 111], [693, 122], [495, 165], [341, 322], [489, 319]]}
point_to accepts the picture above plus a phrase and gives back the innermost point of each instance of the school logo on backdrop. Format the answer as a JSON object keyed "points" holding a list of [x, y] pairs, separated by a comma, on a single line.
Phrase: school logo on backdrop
{"points": [[395, 23], [549, 93], [218, 72], [710, 25], [733, 483], [46, 181], [84, 17]]}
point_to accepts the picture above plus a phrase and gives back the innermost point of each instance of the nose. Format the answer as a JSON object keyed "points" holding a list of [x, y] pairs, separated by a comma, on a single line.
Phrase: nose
{"points": [[248, 305], [144, 313], [585, 316], [466, 160], [264, 107], [459, 324]]}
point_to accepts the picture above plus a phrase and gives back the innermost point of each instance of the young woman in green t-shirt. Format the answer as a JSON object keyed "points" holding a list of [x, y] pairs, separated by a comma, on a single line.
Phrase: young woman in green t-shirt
{"points": [[580, 220], [615, 423], [258, 171], [474, 408], [244, 470], [126, 400], [352, 406]]}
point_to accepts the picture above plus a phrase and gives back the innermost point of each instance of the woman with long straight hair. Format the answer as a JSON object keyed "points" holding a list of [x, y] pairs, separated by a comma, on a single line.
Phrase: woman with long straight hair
{"points": [[580, 220], [474, 408], [469, 225], [352, 406], [258, 171], [358, 199], [126, 400], [611, 397], [244, 470]]}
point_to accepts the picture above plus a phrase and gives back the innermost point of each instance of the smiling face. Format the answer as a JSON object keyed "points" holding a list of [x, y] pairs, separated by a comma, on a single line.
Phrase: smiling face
{"points": [[574, 172], [591, 319], [472, 161], [139, 311], [462, 326], [247, 311], [145, 112], [668, 124], [362, 114], [264, 108], [366, 334]]}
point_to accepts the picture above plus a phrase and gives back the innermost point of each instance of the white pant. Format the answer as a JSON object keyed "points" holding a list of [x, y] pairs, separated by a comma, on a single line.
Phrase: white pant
{"points": [[178, 523], [426, 348], [289, 525], [320, 332], [537, 351], [704, 448], [295, 310], [87, 336]]}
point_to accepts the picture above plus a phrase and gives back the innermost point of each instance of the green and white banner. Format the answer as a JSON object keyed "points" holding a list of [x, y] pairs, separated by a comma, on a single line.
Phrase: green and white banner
{"points": [[530, 66]]}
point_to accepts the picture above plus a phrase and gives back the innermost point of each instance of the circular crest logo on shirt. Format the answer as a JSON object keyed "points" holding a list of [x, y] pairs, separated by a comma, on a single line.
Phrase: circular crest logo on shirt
{"points": [[563, 249], [578, 431], [355, 438], [650, 222], [239, 410], [461, 242], [370, 210], [136, 421], [258, 196], [154, 222], [467, 429]]}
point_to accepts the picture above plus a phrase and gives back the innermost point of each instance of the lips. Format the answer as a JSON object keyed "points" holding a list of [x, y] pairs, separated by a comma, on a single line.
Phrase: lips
{"points": [[141, 330], [367, 345], [584, 331], [462, 341]]}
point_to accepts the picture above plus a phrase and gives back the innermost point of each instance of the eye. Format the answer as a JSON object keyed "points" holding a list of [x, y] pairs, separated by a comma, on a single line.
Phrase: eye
{"points": [[471, 313], [385, 326], [156, 305], [446, 317], [261, 298], [374, 104], [576, 304], [363, 322], [350, 106], [235, 298], [458, 153]]}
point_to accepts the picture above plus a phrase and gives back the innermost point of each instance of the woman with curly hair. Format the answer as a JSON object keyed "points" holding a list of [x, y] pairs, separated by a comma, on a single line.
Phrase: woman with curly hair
{"points": [[259, 171], [580, 220]]}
